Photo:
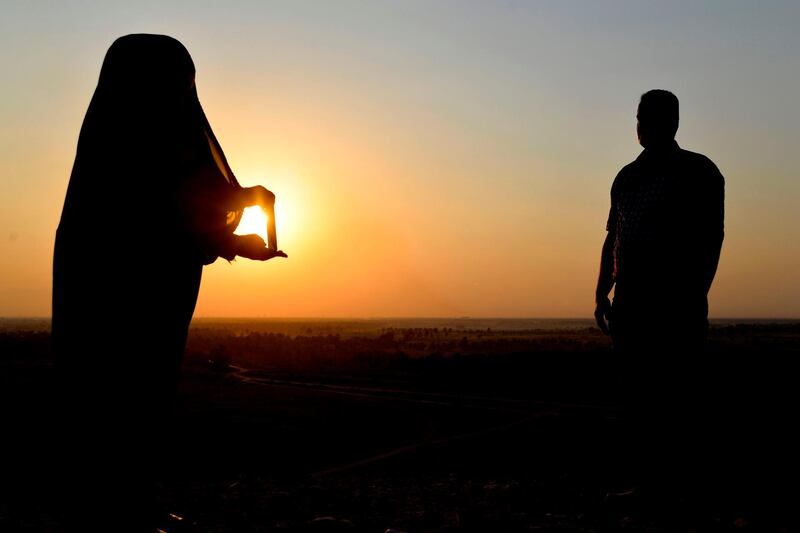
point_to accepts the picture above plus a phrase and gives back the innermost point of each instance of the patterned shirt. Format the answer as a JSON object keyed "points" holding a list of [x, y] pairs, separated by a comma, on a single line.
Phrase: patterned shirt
{"points": [[666, 218]]}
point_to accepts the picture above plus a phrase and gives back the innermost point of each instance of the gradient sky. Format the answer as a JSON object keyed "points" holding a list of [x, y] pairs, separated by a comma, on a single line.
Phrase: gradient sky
{"points": [[430, 158]]}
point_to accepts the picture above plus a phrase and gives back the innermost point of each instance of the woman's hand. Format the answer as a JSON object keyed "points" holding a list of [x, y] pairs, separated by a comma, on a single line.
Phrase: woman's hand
{"points": [[253, 247], [257, 195]]}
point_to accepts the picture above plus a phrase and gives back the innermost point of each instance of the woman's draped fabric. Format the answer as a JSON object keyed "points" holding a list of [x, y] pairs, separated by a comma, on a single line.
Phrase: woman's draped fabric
{"points": [[151, 198]]}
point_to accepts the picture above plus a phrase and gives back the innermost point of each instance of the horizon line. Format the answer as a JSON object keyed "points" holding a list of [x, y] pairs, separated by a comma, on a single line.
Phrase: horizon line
{"points": [[409, 317]]}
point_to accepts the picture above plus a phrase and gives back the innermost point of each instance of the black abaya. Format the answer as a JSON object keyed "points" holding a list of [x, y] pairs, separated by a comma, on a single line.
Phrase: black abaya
{"points": [[150, 200]]}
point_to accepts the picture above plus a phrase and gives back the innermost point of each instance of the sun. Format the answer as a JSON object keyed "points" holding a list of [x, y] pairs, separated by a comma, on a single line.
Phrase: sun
{"points": [[254, 220], [289, 194]]}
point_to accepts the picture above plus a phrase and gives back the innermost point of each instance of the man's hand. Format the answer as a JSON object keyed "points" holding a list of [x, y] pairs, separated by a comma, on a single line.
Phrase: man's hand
{"points": [[253, 247], [602, 313], [605, 282]]}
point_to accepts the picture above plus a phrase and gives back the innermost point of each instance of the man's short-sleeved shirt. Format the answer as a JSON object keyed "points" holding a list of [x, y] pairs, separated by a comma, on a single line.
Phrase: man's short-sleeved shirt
{"points": [[666, 218]]}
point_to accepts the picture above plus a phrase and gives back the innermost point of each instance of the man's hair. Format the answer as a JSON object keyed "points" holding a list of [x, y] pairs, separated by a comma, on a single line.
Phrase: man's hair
{"points": [[660, 109]]}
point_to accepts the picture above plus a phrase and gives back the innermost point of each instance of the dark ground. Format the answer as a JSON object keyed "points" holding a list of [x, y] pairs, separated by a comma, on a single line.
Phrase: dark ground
{"points": [[364, 427]]}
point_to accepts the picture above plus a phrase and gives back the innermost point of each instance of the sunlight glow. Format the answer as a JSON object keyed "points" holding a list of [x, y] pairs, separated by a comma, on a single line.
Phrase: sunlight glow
{"points": [[291, 221], [254, 220]]}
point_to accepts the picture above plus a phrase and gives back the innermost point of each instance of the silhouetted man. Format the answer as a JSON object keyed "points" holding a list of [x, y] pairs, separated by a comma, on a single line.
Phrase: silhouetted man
{"points": [[665, 232]]}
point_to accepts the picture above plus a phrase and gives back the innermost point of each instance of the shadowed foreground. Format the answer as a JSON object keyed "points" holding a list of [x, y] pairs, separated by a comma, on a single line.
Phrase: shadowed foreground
{"points": [[364, 427]]}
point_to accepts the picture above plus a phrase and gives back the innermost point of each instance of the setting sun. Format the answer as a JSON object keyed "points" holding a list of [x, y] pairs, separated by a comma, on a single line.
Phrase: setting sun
{"points": [[290, 222], [254, 220]]}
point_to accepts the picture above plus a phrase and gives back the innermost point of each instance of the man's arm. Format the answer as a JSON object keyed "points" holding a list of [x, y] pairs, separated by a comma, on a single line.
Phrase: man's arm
{"points": [[605, 282], [715, 227], [712, 262]]}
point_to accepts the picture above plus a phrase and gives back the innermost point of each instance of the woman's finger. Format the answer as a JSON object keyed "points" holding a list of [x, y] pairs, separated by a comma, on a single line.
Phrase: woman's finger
{"points": [[267, 197]]}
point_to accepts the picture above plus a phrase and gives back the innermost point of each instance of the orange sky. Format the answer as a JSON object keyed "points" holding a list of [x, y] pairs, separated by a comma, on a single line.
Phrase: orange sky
{"points": [[451, 159]]}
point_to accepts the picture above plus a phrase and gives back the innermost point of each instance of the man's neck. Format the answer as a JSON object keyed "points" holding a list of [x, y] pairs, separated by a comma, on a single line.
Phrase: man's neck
{"points": [[662, 147]]}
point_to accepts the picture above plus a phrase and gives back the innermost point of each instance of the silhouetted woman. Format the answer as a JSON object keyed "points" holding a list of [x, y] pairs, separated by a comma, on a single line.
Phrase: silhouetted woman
{"points": [[151, 199]]}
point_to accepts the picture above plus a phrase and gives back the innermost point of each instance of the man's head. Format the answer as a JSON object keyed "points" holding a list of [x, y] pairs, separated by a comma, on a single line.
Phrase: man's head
{"points": [[657, 118]]}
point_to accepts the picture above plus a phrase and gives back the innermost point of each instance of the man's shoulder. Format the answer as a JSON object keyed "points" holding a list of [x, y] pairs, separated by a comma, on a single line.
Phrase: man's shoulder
{"points": [[625, 174], [699, 162], [629, 168]]}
